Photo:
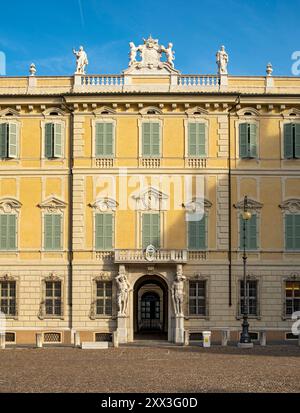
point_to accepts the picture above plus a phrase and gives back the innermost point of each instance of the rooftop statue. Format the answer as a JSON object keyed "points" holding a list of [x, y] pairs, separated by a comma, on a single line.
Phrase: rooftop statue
{"points": [[222, 61], [81, 61], [151, 54]]}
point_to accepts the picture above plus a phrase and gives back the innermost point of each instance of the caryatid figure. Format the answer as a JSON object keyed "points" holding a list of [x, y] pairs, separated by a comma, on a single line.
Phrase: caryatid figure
{"points": [[222, 61], [178, 291], [81, 61], [123, 291]]}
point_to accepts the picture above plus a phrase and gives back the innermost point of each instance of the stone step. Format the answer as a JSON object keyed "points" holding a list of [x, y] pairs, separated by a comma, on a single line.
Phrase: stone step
{"points": [[94, 345]]}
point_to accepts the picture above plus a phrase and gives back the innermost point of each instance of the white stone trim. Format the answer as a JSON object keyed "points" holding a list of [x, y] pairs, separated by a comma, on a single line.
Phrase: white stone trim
{"points": [[18, 123], [253, 121], [152, 119], [58, 121]]}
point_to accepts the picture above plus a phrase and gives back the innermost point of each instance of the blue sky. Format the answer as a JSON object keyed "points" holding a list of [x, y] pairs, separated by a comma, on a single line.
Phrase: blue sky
{"points": [[253, 31]]}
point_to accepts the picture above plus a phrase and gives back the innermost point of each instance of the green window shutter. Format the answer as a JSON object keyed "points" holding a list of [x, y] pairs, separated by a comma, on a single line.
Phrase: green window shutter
{"points": [[8, 226], [58, 140], [243, 140], [104, 139], [252, 233], [146, 139], [297, 140], [108, 231], [48, 239], [288, 141], [197, 234], [3, 231], [192, 139], [151, 230], [289, 232], [108, 142], [49, 137], [3, 140], [155, 139], [103, 231], [146, 229], [12, 140], [253, 140], [56, 231], [297, 231], [196, 139], [155, 230], [12, 232], [150, 139]]}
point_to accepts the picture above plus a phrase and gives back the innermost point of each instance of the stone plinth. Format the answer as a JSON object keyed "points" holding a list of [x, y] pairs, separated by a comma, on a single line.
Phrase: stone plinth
{"points": [[77, 339], [225, 337], [122, 329], [116, 339], [94, 345], [245, 345], [179, 329]]}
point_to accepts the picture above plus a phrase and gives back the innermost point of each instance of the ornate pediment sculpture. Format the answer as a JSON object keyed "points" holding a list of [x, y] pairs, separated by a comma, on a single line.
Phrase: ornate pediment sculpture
{"points": [[150, 55]]}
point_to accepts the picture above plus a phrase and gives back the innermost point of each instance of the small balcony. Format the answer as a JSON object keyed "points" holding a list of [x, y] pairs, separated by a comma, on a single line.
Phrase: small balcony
{"points": [[158, 256]]}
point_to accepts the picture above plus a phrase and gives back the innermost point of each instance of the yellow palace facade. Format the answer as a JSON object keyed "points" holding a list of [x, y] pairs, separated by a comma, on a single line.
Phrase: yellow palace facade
{"points": [[101, 176]]}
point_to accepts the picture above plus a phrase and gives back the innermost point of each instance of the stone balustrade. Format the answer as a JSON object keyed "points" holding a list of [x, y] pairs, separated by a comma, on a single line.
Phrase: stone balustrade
{"points": [[150, 162], [102, 80], [199, 80], [104, 162], [159, 256]]}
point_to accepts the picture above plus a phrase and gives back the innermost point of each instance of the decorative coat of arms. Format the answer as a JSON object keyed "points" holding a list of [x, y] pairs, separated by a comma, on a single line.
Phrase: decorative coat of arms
{"points": [[151, 54]]}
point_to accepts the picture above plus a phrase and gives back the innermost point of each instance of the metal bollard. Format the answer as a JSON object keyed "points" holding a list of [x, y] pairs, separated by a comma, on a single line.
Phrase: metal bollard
{"points": [[116, 339], [77, 339], [39, 340], [2, 341], [225, 337], [263, 338], [186, 337]]}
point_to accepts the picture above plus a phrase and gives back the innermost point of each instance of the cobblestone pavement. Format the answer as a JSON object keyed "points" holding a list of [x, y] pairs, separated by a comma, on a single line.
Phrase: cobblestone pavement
{"points": [[145, 369]]}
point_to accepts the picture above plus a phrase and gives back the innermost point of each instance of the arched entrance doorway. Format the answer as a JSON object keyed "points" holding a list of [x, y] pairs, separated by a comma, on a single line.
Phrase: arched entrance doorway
{"points": [[150, 307]]}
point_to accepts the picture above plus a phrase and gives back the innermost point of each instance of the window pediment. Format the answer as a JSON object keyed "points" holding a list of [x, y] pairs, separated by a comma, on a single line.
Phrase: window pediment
{"points": [[9, 112], [251, 205], [196, 111], [104, 111], [150, 199], [52, 277], [291, 205], [49, 111], [104, 204], [291, 113], [248, 113], [151, 110], [8, 205], [52, 204], [197, 205]]}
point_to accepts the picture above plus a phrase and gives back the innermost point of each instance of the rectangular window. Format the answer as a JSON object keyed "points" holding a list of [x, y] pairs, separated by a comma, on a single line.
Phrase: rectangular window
{"points": [[53, 140], [151, 230], [292, 297], [8, 232], [197, 234], [292, 232], [104, 298], [8, 297], [150, 139], [8, 140], [53, 299], [251, 232], [197, 298], [248, 140], [196, 139], [104, 231], [52, 232], [292, 141], [104, 139], [251, 294]]}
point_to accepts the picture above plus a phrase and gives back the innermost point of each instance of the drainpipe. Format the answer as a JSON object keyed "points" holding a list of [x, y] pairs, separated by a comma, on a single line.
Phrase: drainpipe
{"points": [[70, 221], [237, 102]]}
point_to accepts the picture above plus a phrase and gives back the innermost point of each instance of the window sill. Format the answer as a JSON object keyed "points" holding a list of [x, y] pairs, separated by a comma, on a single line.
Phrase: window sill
{"points": [[251, 317]]}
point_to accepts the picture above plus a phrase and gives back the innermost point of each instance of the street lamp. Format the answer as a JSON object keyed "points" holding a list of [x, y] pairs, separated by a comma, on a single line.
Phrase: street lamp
{"points": [[245, 340]]}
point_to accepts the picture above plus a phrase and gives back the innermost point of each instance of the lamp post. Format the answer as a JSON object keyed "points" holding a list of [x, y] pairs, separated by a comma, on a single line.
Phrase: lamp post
{"points": [[245, 340]]}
